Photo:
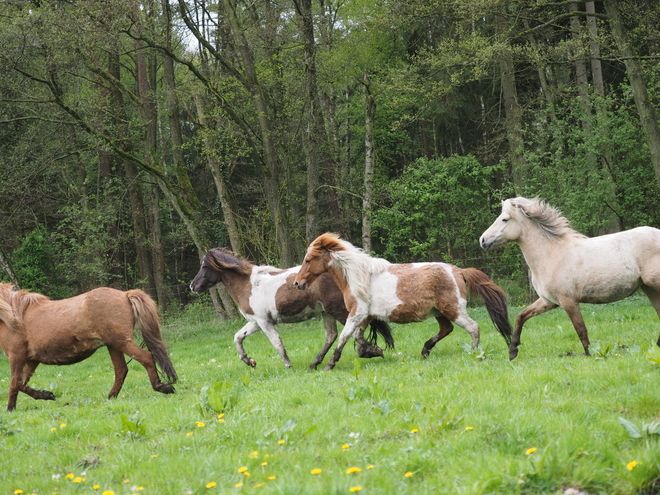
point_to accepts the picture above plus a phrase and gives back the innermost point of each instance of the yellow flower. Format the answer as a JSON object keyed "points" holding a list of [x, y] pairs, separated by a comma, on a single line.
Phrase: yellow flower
{"points": [[409, 474], [189, 434], [316, 471], [346, 446], [78, 479], [108, 492], [271, 477], [242, 469], [258, 485], [353, 470], [414, 430], [16, 492], [96, 487], [264, 463], [154, 455], [370, 466], [282, 442], [63, 425], [632, 465], [247, 474], [70, 476], [530, 451], [254, 455], [200, 424], [238, 485], [53, 429], [221, 415], [139, 489], [210, 484], [469, 427], [355, 489]]}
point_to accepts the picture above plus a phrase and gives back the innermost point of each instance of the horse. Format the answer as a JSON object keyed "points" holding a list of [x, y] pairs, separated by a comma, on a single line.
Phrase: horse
{"points": [[35, 329], [569, 268], [400, 293], [265, 296]]}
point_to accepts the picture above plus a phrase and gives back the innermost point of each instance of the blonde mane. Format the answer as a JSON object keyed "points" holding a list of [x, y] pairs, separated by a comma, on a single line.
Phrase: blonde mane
{"points": [[14, 304], [356, 266], [546, 218]]}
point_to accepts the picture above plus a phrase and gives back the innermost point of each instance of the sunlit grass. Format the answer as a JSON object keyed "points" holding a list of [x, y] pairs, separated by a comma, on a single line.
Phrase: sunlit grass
{"points": [[457, 422]]}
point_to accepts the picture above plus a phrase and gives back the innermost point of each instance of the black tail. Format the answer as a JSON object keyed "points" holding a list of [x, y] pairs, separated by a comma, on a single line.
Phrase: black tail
{"points": [[494, 297], [381, 327]]}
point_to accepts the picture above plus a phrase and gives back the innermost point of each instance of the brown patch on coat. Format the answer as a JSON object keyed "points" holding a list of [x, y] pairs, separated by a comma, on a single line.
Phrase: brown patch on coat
{"points": [[290, 301], [422, 289]]}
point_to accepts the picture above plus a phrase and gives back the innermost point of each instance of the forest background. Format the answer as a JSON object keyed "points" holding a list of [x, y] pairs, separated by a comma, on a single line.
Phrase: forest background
{"points": [[135, 135]]}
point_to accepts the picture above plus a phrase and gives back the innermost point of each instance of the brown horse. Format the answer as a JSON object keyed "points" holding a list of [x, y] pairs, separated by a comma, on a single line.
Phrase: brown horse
{"points": [[402, 293], [265, 296], [35, 329]]}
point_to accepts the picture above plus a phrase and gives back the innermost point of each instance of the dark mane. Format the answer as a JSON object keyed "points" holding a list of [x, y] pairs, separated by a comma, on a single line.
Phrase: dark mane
{"points": [[223, 259]]}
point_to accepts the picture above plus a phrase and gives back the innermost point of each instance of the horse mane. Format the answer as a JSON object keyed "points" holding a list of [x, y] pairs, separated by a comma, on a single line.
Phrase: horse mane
{"points": [[356, 266], [547, 218], [223, 259], [14, 303]]}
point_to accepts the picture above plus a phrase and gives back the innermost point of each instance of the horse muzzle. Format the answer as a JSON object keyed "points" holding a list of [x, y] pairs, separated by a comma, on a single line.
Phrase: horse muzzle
{"points": [[300, 285]]}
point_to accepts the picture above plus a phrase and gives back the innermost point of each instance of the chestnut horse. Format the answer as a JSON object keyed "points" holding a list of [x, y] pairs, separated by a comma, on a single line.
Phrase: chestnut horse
{"points": [[265, 296], [569, 268], [35, 329], [402, 293]]}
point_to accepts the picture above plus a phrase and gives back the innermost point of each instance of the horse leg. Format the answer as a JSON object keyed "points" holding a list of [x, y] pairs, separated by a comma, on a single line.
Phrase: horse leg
{"points": [[250, 328], [446, 328], [146, 359], [536, 308], [21, 371], [346, 333], [121, 370], [274, 337], [572, 309], [330, 325], [365, 349], [654, 298]]}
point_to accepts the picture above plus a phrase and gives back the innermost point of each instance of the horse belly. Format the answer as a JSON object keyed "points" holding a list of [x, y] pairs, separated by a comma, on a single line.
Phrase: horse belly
{"points": [[62, 350]]}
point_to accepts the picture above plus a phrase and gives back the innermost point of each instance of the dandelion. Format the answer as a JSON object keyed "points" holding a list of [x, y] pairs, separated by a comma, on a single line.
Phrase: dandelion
{"points": [[154, 455], [414, 430], [355, 489], [238, 485], [254, 455], [409, 474], [353, 470], [189, 434], [53, 429], [247, 474], [632, 465], [316, 471], [96, 487], [264, 463], [108, 492], [138, 488], [272, 477], [370, 466], [468, 428], [17, 491], [200, 424], [78, 479], [220, 418], [242, 469], [346, 446], [281, 442], [210, 484], [70, 476], [258, 485], [63, 425], [530, 451]]}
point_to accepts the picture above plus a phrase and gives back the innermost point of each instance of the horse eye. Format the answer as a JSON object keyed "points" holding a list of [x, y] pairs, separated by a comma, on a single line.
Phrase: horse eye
{"points": [[308, 261], [505, 219]]}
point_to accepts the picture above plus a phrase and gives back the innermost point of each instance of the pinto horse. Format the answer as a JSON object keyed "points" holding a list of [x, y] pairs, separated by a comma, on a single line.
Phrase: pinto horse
{"points": [[402, 293], [569, 268], [265, 296], [34, 329]]}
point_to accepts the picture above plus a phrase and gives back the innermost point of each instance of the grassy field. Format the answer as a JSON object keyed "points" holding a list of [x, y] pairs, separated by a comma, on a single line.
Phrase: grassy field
{"points": [[460, 422]]}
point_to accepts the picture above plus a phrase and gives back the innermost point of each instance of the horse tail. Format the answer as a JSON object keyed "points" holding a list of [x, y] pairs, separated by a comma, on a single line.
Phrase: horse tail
{"points": [[494, 296], [380, 327], [7, 315], [146, 319]]}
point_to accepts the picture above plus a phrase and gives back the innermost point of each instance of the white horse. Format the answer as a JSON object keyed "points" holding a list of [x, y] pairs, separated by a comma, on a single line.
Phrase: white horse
{"points": [[569, 268], [402, 293]]}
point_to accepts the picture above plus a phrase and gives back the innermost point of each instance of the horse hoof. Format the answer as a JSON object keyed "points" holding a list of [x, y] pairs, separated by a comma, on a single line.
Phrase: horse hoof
{"points": [[46, 395], [252, 363], [167, 389], [512, 354], [329, 367]]}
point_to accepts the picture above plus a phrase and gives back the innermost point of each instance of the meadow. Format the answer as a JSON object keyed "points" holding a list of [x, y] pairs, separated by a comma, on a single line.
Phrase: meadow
{"points": [[462, 421]]}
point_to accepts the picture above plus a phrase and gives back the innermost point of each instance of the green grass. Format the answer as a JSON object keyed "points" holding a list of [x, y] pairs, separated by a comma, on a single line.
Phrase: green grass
{"points": [[457, 423]]}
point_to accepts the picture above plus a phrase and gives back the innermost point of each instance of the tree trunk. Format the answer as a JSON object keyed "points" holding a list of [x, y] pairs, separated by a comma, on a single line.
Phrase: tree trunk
{"points": [[596, 67], [647, 114], [369, 163]]}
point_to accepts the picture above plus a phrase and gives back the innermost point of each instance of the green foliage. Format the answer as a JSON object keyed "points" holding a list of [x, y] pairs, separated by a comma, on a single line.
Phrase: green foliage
{"points": [[647, 429], [653, 354], [219, 397], [133, 427], [436, 210]]}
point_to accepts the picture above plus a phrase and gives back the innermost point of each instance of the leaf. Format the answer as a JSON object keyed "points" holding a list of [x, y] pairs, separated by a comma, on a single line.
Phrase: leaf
{"points": [[653, 354], [632, 430], [652, 428], [309, 430], [357, 369]]}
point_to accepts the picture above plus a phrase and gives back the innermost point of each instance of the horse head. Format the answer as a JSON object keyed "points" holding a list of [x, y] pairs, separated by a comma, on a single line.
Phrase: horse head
{"points": [[505, 228], [317, 259], [215, 262]]}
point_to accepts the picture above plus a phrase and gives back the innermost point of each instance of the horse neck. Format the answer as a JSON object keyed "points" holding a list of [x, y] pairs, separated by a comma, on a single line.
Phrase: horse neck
{"points": [[236, 283], [538, 250]]}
